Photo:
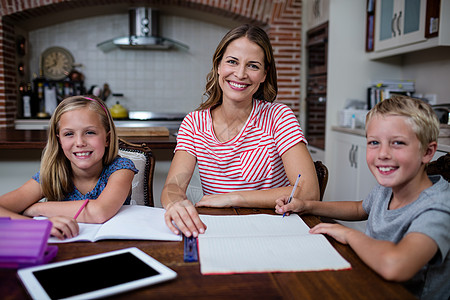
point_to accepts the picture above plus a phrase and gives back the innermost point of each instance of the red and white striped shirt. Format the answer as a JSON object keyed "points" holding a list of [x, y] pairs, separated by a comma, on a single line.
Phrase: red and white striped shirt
{"points": [[249, 161]]}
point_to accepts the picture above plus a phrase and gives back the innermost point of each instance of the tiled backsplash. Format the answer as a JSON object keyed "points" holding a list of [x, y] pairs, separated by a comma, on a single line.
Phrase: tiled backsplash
{"points": [[161, 81]]}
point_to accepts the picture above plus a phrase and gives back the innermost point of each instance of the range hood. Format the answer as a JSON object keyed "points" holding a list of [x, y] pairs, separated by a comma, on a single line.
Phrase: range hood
{"points": [[143, 33]]}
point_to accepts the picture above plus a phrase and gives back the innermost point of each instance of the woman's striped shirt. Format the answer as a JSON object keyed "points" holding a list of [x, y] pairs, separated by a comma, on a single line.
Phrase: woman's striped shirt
{"points": [[249, 161]]}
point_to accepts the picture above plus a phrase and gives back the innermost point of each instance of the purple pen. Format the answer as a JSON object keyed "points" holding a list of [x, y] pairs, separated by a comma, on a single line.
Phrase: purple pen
{"points": [[293, 191]]}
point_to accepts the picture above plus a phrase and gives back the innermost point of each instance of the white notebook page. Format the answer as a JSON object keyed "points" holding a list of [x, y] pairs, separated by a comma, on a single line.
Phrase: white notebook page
{"points": [[264, 243]]}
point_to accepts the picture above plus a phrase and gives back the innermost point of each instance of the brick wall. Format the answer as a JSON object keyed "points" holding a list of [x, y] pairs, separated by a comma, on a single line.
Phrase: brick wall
{"points": [[282, 18]]}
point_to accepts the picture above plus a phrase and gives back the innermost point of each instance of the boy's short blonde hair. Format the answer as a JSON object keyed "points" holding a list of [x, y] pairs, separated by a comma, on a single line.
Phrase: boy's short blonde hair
{"points": [[421, 116]]}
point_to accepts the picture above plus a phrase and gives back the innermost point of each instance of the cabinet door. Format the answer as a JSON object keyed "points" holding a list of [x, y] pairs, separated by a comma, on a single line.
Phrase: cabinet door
{"points": [[365, 180], [344, 173], [399, 23], [350, 178]]}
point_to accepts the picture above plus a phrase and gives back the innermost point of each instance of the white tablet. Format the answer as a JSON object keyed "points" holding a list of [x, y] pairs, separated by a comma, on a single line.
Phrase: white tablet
{"points": [[94, 276]]}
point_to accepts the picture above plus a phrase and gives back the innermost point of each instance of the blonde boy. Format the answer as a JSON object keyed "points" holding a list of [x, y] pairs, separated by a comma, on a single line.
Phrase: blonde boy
{"points": [[408, 229]]}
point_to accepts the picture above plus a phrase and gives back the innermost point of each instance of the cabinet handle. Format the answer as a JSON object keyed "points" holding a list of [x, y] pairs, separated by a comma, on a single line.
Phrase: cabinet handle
{"points": [[398, 23], [392, 24], [355, 162], [350, 155]]}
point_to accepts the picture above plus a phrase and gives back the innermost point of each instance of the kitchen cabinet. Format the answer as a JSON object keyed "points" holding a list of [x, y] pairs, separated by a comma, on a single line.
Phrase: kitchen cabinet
{"points": [[399, 23], [403, 26], [350, 177]]}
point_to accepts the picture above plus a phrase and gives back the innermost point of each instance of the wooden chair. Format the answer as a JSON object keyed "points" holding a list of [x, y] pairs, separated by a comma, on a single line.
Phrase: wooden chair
{"points": [[440, 166], [142, 156], [322, 176]]}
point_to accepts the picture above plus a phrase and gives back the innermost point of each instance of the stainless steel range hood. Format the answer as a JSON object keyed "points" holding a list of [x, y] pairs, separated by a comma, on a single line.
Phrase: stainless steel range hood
{"points": [[143, 33]]}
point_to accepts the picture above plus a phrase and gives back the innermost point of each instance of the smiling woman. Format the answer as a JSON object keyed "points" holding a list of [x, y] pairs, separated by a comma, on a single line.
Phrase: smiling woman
{"points": [[248, 149]]}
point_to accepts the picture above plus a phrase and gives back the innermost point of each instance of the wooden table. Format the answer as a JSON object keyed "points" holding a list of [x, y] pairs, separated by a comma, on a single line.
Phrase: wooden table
{"points": [[358, 283]]}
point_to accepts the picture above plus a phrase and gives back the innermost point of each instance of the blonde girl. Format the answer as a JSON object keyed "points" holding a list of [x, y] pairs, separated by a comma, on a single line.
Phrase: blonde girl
{"points": [[79, 162]]}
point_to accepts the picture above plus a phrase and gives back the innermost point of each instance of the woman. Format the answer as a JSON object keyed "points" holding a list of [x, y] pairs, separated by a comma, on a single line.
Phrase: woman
{"points": [[249, 150]]}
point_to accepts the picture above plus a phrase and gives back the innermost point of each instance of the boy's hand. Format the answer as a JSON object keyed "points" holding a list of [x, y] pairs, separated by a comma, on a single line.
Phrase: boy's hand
{"points": [[64, 227], [336, 231], [282, 206]]}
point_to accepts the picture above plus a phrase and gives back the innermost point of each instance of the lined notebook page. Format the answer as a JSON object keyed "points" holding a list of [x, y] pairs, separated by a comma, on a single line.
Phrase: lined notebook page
{"points": [[264, 243]]}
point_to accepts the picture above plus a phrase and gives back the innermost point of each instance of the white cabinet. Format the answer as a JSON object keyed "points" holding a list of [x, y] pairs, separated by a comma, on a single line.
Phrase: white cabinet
{"points": [[350, 177], [399, 23], [404, 26]]}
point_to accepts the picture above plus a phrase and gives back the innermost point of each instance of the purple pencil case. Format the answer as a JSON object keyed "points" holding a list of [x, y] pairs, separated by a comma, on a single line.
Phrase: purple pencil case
{"points": [[23, 243]]}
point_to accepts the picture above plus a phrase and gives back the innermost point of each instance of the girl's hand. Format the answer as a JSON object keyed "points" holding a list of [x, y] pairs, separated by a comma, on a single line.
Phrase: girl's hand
{"points": [[336, 231], [185, 217], [31, 211], [216, 200], [64, 227], [282, 206]]}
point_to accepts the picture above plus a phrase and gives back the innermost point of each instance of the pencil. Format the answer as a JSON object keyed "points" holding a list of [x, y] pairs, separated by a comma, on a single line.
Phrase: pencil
{"points": [[81, 208], [293, 191]]}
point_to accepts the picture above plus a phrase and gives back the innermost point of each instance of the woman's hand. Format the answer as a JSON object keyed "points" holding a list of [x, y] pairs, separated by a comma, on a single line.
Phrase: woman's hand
{"points": [[64, 227], [336, 231], [185, 217], [217, 200]]}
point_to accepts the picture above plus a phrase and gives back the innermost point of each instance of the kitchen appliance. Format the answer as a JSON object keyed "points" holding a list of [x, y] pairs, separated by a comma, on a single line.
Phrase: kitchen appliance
{"points": [[143, 33], [118, 111], [443, 112], [138, 119]]}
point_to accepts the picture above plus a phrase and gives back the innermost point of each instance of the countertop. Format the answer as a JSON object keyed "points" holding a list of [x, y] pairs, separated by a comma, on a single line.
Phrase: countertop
{"points": [[443, 142], [11, 138]]}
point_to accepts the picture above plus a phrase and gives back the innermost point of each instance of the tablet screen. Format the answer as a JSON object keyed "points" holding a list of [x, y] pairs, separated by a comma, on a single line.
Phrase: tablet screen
{"points": [[92, 275]]}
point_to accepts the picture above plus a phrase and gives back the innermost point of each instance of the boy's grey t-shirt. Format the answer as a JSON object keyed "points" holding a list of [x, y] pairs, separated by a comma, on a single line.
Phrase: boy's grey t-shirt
{"points": [[430, 215]]}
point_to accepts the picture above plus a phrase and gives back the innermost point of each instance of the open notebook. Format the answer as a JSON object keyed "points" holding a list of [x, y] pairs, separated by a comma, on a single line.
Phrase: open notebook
{"points": [[132, 222], [264, 243]]}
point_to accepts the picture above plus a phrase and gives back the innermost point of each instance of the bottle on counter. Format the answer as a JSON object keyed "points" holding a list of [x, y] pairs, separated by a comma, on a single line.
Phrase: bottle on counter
{"points": [[50, 98], [26, 101]]}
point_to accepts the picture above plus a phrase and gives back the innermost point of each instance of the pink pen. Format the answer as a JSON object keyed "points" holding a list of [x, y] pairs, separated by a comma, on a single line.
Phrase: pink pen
{"points": [[81, 208]]}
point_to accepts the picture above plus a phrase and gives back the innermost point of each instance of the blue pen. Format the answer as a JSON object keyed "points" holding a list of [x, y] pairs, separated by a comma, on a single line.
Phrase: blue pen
{"points": [[293, 191]]}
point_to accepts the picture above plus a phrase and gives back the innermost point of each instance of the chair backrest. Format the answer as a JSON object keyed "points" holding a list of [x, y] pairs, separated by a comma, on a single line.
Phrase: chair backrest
{"points": [[440, 166], [322, 176], [143, 159]]}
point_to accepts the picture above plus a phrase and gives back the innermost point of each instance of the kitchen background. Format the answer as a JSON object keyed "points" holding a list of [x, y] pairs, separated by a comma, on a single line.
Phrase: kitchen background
{"points": [[152, 80], [80, 25], [159, 81], [171, 80]]}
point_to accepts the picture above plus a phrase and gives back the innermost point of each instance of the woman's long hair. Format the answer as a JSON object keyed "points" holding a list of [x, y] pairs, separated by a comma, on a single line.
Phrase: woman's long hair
{"points": [[56, 172], [267, 90]]}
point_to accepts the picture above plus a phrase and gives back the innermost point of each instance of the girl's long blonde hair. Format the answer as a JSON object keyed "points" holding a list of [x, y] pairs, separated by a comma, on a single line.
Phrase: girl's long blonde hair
{"points": [[56, 172]]}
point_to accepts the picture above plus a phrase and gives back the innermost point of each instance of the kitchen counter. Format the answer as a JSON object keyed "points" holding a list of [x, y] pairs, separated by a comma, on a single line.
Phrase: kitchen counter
{"points": [[443, 142], [36, 139]]}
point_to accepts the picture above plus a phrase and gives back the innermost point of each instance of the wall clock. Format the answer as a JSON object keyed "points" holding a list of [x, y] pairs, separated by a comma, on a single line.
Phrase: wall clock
{"points": [[56, 63]]}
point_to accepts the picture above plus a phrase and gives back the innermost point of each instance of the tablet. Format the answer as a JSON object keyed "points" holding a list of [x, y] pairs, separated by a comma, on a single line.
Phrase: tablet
{"points": [[94, 276]]}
